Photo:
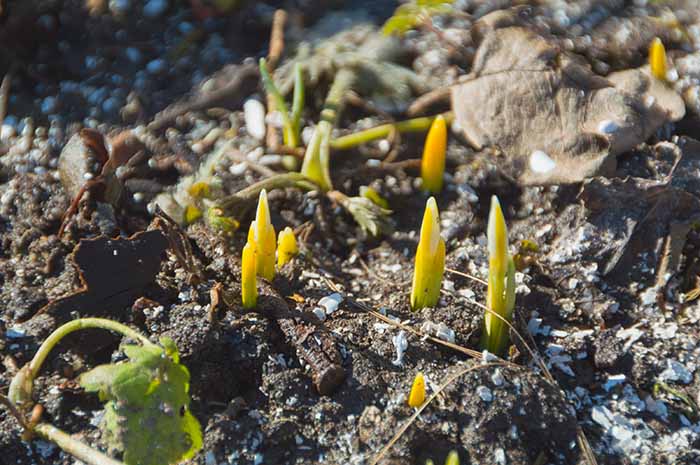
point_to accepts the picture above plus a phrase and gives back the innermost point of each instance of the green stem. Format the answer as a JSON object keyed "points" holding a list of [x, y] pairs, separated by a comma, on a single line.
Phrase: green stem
{"points": [[419, 124], [298, 100], [21, 387], [290, 136], [237, 202], [317, 158], [72, 446]]}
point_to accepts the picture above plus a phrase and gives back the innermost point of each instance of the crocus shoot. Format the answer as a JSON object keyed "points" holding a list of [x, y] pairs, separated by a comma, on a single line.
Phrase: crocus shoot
{"points": [[501, 283], [430, 260], [432, 166], [249, 283], [262, 235], [417, 394], [657, 59], [286, 246]]}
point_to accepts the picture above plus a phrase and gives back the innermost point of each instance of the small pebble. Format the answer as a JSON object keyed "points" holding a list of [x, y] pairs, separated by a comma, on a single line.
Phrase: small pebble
{"points": [[156, 66], [320, 314], [331, 302], [540, 162], [608, 127], [49, 105], [155, 8], [484, 393], [254, 114]]}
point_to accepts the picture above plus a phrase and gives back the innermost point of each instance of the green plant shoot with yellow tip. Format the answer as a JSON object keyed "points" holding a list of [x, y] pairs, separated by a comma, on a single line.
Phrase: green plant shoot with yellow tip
{"points": [[249, 284], [262, 235], [432, 167], [417, 395], [430, 260], [657, 59], [501, 283], [286, 246]]}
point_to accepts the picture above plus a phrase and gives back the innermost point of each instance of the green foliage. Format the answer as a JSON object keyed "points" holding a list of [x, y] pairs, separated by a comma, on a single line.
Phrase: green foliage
{"points": [[411, 14], [290, 133], [147, 413]]}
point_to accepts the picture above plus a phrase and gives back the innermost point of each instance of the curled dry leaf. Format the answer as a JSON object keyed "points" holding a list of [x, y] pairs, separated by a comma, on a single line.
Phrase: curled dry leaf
{"points": [[555, 120]]}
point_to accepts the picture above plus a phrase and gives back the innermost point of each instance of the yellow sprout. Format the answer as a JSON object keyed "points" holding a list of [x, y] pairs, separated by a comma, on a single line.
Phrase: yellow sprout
{"points": [[452, 458], [286, 246], [432, 167], [200, 190], [373, 195], [192, 214], [249, 285], [657, 59], [501, 283], [262, 234], [417, 395], [430, 260]]}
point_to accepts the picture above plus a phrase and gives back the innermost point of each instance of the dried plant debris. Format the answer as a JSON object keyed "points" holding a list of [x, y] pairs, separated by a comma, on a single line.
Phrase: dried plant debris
{"points": [[635, 226], [113, 272], [554, 119]]}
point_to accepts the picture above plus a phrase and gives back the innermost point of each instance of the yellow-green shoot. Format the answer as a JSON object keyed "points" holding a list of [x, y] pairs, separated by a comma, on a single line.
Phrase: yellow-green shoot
{"points": [[417, 395], [501, 283], [432, 167], [430, 260], [657, 59], [286, 247], [249, 283], [262, 235]]}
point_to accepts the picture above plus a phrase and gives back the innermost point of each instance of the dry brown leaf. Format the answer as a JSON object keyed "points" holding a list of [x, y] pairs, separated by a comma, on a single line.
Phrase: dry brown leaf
{"points": [[555, 120]]}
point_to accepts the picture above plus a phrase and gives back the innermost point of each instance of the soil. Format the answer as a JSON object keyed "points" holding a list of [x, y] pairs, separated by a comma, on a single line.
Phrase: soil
{"points": [[606, 296]]}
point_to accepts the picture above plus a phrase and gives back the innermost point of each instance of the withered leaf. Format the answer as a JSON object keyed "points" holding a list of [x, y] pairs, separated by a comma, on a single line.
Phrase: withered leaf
{"points": [[555, 120], [644, 222], [113, 272]]}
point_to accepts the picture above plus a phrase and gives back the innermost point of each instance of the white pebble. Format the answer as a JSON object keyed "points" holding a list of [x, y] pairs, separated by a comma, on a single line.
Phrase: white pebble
{"points": [[6, 132], [499, 457], [238, 169], [156, 66], [608, 127], [320, 314], [540, 162], [155, 8], [331, 302], [497, 378], [400, 344], [49, 105], [484, 393], [254, 114]]}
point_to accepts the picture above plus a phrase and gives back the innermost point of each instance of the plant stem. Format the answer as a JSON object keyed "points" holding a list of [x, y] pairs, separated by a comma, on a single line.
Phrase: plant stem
{"points": [[298, 100], [237, 202], [378, 132], [317, 158], [20, 391], [74, 447]]}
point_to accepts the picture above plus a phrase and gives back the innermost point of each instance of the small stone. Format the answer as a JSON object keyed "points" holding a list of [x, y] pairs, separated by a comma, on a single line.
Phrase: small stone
{"points": [[497, 377], [484, 393], [133, 54], [608, 127], [499, 457], [614, 380], [156, 66], [6, 132], [119, 7], [320, 313], [49, 105], [540, 162], [400, 344], [331, 302], [254, 115], [676, 371], [15, 332], [155, 8]]}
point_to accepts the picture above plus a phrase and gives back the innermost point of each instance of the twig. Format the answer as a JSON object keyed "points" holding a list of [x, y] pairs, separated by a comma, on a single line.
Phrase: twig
{"points": [[419, 124], [276, 49], [240, 200], [4, 95], [74, 447], [257, 167], [465, 275], [428, 99]]}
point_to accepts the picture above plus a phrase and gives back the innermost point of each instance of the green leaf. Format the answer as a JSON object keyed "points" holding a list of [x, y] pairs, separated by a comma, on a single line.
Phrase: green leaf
{"points": [[147, 414]]}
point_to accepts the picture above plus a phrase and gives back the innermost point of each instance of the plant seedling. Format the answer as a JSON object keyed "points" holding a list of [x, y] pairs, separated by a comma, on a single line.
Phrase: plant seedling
{"points": [[286, 247], [147, 415], [417, 395], [657, 59], [373, 195], [430, 260], [452, 458], [262, 235], [432, 167], [501, 283], [290, 121], [249, 283]]}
